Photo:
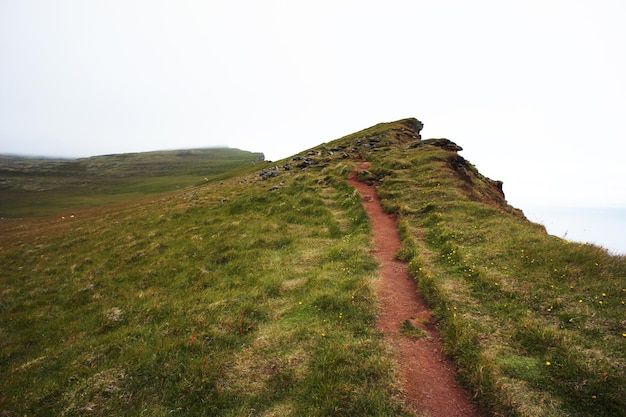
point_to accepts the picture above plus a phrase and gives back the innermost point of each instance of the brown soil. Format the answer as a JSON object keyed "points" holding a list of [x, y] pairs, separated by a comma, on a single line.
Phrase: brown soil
{"points": [[427, 377]]}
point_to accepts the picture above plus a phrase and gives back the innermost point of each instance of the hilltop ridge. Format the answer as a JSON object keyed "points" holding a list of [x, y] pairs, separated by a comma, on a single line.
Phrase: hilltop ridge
{"points": [[32, 186], [405, 133], [251, 293]]}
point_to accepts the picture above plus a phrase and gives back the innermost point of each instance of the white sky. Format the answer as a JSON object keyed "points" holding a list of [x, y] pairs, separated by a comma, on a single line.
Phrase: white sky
{"points": [[534, 91]]}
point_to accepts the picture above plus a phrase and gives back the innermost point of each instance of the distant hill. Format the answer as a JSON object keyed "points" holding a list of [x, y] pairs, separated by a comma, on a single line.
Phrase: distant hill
{"points": [[253, 292], [41, 186]]}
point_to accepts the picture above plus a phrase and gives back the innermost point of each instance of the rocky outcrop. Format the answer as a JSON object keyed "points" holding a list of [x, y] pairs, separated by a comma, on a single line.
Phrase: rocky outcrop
{"points": [[408, 130], [478, 187], [446, 144], [378, 137], [413, 124]]}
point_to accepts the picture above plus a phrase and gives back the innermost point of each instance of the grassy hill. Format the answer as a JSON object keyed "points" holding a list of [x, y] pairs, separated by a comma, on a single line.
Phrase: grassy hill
{"points": [[44, 186], [252, 295]]}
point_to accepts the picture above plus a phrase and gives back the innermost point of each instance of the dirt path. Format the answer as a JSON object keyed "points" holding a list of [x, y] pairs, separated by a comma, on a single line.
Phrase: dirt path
{"points": [[428, 380]]}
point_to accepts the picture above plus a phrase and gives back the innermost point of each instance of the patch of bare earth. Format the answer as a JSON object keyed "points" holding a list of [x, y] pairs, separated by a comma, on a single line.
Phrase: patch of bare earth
{"points": [[428, 377]]}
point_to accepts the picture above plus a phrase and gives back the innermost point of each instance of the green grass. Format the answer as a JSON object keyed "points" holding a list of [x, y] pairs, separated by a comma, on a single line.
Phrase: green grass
{"points": [[236, 301], [35, 187], [535, 323], [410, 330], [236, 296]]}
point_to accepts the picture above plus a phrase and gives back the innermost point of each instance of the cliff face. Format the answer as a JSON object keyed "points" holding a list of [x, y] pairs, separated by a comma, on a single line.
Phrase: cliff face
{"points": [[405, 136], [515, 305]]}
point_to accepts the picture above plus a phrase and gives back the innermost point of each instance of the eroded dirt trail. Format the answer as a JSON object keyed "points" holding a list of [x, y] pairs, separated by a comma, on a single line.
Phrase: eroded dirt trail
{"points": [[428, 378]]}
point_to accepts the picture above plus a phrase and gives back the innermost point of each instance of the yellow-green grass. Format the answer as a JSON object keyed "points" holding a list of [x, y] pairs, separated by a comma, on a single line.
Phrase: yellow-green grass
{"points": [[536, 324], [35, 187], [225, 299]]}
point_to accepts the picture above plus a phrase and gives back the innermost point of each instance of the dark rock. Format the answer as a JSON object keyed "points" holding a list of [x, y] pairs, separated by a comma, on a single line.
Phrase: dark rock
{"points": [[269, 173], [446, 144], [497, 184], [307, 163], [414, 145], [413, 124]]}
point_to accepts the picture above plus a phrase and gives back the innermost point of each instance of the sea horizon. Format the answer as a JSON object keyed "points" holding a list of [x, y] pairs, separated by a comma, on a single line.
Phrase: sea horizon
{"points": [[602, 226]]}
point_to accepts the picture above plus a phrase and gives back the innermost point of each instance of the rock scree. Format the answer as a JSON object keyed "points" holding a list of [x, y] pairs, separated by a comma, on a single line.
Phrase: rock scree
{"points": [[427, 376]]}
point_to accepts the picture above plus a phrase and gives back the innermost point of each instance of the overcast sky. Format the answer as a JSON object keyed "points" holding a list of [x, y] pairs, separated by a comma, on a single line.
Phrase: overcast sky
{"points": [[534, 91]]}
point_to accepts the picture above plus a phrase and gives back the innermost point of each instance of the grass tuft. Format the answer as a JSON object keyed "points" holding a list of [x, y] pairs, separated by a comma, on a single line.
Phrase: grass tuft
{"points": [[408, 329]]}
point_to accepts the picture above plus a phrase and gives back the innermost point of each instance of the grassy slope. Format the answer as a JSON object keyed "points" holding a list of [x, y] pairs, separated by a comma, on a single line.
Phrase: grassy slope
{"points": [[38, 187], [230, 299], [537, 324], [222, 299]]}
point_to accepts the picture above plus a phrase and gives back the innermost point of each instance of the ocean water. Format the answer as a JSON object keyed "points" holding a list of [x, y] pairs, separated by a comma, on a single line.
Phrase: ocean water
{"points": [[603, 226]]}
